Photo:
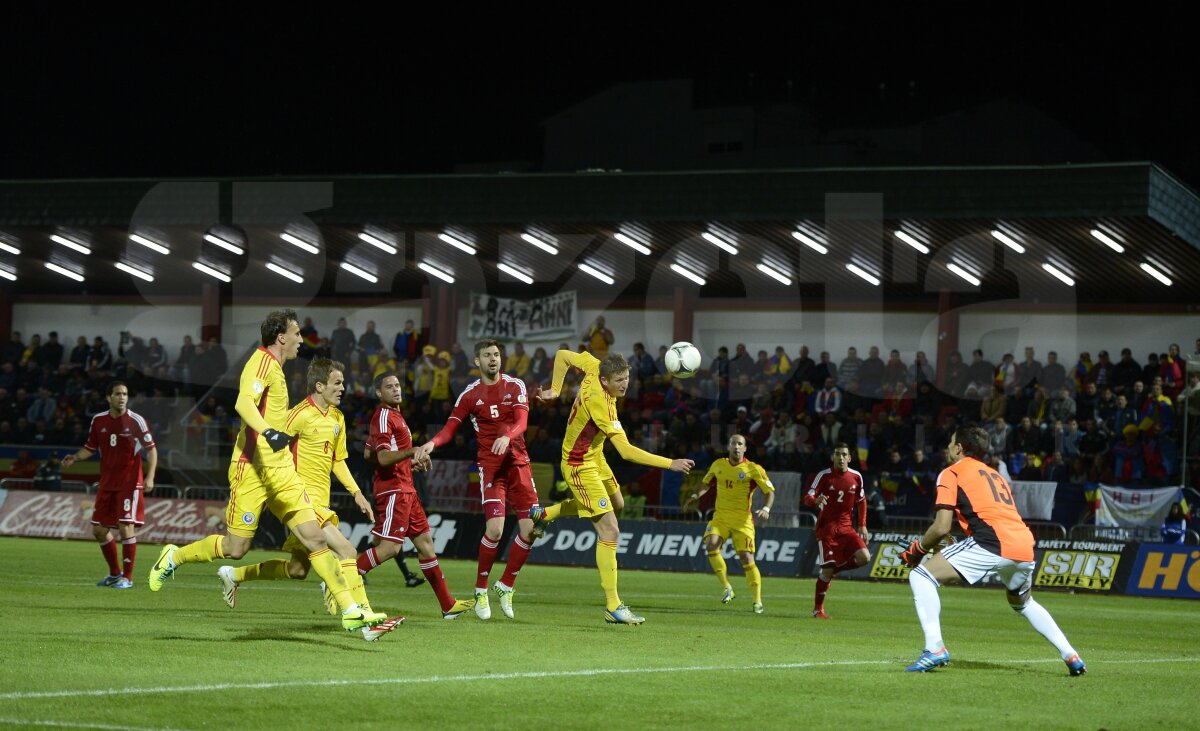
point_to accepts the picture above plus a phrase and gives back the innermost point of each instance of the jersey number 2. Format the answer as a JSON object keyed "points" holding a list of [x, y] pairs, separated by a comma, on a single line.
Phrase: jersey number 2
{"points": [[999, 495]]}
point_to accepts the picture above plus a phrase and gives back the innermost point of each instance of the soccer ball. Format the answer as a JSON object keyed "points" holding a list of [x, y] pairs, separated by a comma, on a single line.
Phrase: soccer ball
{"points": [[683, 360]]}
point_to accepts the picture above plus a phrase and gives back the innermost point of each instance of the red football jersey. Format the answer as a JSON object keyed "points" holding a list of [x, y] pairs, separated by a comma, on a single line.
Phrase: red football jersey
{"points": [[844, 494], [492, 411], [120, 442], [390, 432]]}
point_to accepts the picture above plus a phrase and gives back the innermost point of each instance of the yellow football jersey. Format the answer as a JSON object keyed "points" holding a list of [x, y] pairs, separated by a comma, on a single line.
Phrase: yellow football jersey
{"points": [[321, 442], [735, 485], [263, 379], [593, 416]]}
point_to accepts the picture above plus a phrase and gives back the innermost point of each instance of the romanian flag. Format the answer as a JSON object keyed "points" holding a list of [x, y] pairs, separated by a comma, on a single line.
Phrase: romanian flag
{"points": [[312, 340], [864, 448], [197, 423]]}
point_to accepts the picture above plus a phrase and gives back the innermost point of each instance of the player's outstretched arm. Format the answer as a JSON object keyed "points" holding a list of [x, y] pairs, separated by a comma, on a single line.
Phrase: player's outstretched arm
{"points": [[82, 455]]}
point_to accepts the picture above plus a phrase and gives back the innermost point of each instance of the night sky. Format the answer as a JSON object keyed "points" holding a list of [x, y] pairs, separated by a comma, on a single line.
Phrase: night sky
{"points": [[96, 96]]}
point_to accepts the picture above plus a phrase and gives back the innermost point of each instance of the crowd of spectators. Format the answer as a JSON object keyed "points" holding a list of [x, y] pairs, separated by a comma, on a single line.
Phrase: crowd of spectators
{"points": [[1096, 420]]}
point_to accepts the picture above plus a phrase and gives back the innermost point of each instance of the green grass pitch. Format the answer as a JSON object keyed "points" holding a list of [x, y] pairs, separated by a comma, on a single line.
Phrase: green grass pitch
{"points": [[78, 656]]}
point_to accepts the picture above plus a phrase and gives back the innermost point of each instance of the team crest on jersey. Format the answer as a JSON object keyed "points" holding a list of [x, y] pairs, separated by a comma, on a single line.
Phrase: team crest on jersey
{"points": [[603, 502], [741, 475], [336, 429], [248, 518], [258, 387], [521, 399], [146, 438]]}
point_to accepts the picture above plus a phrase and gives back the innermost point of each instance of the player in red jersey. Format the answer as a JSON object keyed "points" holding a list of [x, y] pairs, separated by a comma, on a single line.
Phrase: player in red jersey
{"points": [[398, 510], [998, 542], [498, 407], [121, 437], [839, 494]]}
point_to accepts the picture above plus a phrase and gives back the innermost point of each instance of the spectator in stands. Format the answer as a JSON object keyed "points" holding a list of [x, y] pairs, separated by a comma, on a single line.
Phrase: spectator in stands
{"points": [[1102, 372], [48, 476], [895, 371], [1086, 401], [1106, 406], [79, 354], [423, 373], [921, 371], [135, 354], [1125, 372], [15, 348], [1094, 442], [1128, 465], [956, 375], [406, 346], [802, 370], [1026, 438], [1054, 376], [8, 405], [641, 364], [1006, 375], [1039, 407], [825, 369], [1174, 527], [870, 374], [181, 371], [598, 338], [342, 342], [50, 355], [460, 367], [43, 408], [1083, 368], [981, 372], [29, 355], [1150, 370], [370, 347], [1172, 370], [998, 437], [1158, 411], [310, 341], [993, 407], [23, 467], [784, 432], [831, 431], [1029, 372], [779, 366], [518, 362], [1124, 415], [848, 369], [1137, 396], [540, 366], [828, 400], [219, 359]]}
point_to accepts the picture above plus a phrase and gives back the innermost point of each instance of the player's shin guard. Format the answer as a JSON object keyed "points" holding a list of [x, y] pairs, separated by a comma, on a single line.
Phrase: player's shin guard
{"points": [[128, 554], [487, 557], [275, 569], [518, 552], [437, 582], [326, 566], [606, 562], [109, 549], [1047, 627], [819, 594], [929, 607], [717, 561], [354, 580], [754, 579], [204, 550]]}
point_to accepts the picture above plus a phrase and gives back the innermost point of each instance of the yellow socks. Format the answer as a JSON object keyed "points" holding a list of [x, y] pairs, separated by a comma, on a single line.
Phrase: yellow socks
{"points": [[276, 568], [326, 566], [717, 561], [606, 562], [350, 570], [558, 510], [202, 551], [754, 579]]}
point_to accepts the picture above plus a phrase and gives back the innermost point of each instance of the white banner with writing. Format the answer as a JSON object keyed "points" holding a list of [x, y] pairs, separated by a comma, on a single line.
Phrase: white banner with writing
{"points": [[69, 514], [1126, 507], [546, 318], [1035, 500]]}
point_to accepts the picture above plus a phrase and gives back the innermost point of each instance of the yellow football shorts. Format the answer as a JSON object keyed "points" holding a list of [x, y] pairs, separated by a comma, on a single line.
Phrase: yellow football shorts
{"points": [[742, 534], [592, 485], [279, 488]]}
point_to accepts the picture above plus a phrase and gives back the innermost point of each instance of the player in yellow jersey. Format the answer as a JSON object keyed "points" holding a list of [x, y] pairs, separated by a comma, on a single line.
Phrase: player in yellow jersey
{"points": [[594, 420], [261, 472], [735, 478], [319, 447]]}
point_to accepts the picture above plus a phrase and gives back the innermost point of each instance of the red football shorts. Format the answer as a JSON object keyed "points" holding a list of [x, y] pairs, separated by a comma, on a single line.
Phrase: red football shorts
{"points": [[838, 547], [119, 506], [399, 515], [504, 486]]}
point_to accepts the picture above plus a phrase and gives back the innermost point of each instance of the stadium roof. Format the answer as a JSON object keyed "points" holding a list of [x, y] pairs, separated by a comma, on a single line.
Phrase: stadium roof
{"points": [[681, 218]]}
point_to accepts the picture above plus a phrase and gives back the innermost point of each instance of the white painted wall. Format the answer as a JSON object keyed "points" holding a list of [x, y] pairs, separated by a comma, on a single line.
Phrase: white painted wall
{"points": [[168, 323]]}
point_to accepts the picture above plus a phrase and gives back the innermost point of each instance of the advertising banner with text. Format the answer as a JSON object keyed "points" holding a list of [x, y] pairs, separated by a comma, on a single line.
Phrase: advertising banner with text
{"points": [[68, 515]]}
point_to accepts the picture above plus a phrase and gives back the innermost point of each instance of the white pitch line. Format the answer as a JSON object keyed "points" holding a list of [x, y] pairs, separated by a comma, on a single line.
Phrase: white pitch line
{"points": [[325, 683], [73, 724]]}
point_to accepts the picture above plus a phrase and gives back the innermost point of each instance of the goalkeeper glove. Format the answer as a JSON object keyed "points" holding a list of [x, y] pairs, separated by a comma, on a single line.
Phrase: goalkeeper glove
{"points": [[277, 439], [912, 555]]}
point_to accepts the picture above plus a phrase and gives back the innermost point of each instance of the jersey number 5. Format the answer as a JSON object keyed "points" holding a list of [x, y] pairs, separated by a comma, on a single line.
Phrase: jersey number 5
{"points": [[495, 411], [999, 495]]}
